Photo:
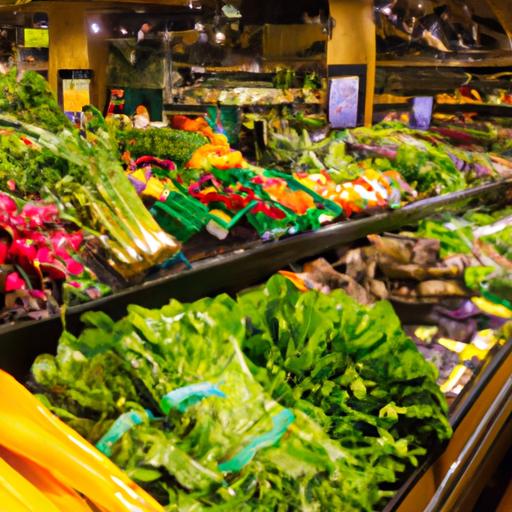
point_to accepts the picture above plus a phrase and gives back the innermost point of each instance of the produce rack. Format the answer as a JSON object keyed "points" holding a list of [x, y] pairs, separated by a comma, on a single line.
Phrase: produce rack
{"points": [[500, 111], [232, 271], [481, 110], [480, 416]]}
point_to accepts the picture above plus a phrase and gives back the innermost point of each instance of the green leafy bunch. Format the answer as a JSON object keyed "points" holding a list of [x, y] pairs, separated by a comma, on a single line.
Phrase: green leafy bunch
{"points": [[131, 365], [30, 99], [350, 367], [364, 400]]}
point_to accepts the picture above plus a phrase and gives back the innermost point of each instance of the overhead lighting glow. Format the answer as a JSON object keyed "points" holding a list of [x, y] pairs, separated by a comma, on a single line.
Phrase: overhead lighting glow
{"points": [[123, 31], [220, 37], [95, 28]]}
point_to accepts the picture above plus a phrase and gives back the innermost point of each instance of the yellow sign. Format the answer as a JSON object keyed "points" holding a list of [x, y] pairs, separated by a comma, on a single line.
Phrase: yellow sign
{"points": [[36, 37], [75, 94]]}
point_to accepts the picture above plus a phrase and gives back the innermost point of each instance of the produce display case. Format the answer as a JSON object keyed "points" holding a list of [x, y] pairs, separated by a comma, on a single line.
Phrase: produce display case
{"points": [[452, 475], [480, 415]]}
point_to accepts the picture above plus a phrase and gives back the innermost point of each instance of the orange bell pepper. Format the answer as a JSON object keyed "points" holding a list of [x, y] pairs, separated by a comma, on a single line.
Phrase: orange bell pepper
{"points": [[230, 160], [298, 201], [29, 429]]}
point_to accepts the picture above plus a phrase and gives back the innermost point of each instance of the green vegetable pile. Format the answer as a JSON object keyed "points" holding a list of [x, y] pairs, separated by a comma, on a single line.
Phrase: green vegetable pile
{"points": [[361, 401], [166, 143], [352, 368], [429, 168], [429, 161], [31, 101], [457, 234]]}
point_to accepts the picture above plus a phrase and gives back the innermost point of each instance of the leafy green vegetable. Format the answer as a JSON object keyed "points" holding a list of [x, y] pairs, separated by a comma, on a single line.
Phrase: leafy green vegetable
{"points": [[501, 242], [430, 168], [455, 239], [339, 367], [351, 367], [31, 101], [112, 368]]}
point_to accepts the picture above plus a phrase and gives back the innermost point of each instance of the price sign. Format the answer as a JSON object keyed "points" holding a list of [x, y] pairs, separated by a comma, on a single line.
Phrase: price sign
{"points": [[36, 37]]}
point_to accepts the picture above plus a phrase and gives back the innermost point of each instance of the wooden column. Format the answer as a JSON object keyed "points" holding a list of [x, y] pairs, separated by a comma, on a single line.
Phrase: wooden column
{"points": [[68, 38], [353, 42]]}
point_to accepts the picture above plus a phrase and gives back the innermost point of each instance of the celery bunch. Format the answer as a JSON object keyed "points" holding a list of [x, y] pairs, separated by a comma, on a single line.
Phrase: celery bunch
{"points": [[96, 195]]}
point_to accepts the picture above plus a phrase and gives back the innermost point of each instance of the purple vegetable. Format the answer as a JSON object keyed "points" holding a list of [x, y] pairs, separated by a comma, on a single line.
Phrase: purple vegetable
{"points": [[481, 170], [496, 323], [139, 185], [460, 164], [463, 312]]}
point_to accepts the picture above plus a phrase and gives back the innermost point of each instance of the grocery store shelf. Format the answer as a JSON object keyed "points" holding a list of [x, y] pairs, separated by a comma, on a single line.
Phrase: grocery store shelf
{"points": [[450, 108], [481, 62], [487, 110], [249, 265]]}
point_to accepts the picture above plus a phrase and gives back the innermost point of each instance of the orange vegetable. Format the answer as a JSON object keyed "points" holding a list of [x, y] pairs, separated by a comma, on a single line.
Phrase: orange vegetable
{"points": [[298, 201], [295, 279], [220, 157], [199, 125], [29, 429], [21, 490], [63, 497]]}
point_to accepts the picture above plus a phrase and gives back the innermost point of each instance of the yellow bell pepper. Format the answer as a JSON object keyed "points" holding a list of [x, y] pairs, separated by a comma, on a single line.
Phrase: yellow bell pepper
{"points": [[490, 308]]}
